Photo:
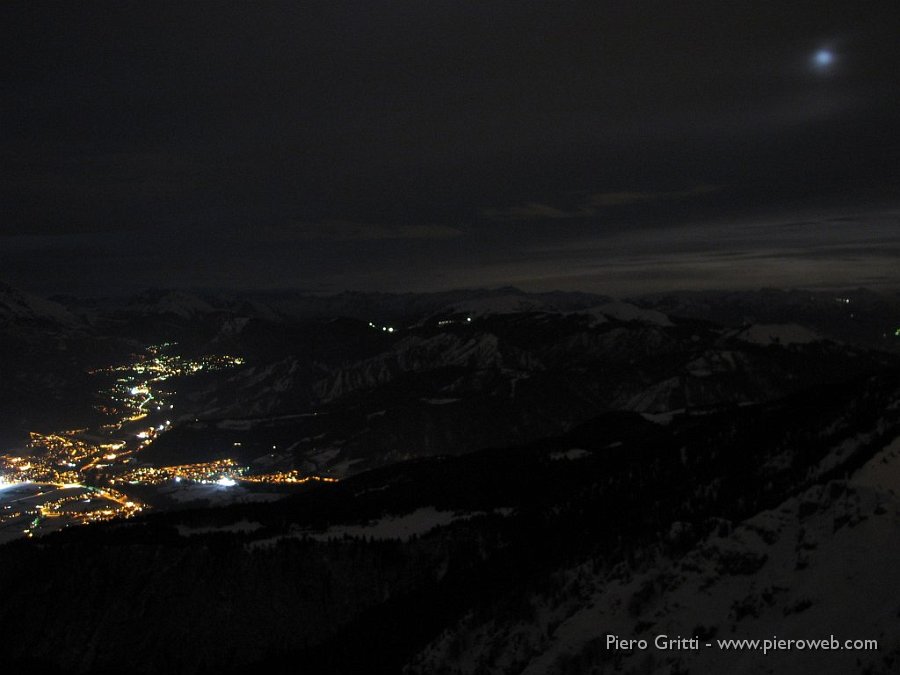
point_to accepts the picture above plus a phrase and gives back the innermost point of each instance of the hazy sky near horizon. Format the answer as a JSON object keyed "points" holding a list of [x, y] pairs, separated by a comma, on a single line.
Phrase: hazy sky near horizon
{"points": [[607, 146]]}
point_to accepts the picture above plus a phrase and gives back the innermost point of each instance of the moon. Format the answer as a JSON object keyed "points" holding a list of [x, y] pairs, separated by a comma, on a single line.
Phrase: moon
{"points": [[823, 59]]}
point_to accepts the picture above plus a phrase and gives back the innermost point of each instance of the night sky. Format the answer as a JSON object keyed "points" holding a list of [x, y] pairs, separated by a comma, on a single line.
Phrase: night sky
{"points": [[616, 147]]}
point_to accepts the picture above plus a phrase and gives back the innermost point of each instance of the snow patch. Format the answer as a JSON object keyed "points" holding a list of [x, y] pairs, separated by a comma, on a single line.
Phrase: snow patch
{"points": [[572, 454], [419, 522]]}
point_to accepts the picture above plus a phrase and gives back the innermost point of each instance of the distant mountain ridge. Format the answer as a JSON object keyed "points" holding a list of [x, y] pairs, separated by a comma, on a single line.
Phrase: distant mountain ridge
{"points": [[18, 307], [861, 316], [413, 375]]}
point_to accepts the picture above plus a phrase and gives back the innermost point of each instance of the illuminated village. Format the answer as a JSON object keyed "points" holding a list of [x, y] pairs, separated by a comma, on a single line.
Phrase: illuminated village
{"points": [[79, 476]]}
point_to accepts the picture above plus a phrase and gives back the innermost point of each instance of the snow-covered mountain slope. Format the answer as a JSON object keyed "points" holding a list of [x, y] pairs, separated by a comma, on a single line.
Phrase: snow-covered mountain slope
{"points": [[393, 307], [816, 565], [178, 303], [859, 316], [20, 308], [498, 379], [511, 303]]}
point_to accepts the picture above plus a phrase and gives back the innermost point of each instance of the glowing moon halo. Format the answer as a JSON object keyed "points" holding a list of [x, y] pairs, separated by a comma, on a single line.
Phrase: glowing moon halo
{"points": [[823, 59]]}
